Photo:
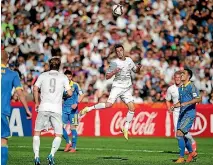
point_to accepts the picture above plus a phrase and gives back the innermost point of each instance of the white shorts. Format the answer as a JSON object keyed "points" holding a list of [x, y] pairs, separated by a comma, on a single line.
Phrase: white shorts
{"points": [[124, 93], [45, 119], [175, 119]]}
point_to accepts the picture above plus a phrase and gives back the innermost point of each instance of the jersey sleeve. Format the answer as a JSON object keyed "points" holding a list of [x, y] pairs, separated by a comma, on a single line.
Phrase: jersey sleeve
{"points": [[78, 88], [112, 67], [39, 81], [17, 82], [168, 95], [66, 84], [195, 93]]}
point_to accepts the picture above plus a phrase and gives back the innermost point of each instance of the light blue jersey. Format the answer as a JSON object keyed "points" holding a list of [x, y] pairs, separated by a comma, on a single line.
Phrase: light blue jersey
{"points": [[9, 79]]}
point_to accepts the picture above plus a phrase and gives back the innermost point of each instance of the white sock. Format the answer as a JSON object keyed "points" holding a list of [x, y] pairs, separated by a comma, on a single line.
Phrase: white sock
{"points": [[97, 106], [36, 145], [129, 118], [189, 136], [55, 145]]}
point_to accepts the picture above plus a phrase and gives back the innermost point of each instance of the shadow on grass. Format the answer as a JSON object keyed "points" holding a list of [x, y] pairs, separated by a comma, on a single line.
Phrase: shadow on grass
{"points": [[112, 158], [169, 152]]}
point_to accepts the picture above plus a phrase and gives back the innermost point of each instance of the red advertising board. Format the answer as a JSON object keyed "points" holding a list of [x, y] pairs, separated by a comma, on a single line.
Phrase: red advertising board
{"points": [[149, 120]]}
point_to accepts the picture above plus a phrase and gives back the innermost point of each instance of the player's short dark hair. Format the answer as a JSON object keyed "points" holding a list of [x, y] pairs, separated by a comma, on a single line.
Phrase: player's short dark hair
{"points": [[118, 46], [68, 72], [55, 63], [189, 72]]}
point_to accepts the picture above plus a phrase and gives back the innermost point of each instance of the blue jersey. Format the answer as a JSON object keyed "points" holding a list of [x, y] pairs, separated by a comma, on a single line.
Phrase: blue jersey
{"points": [[9, 79], [68, 102], [187, 93]]}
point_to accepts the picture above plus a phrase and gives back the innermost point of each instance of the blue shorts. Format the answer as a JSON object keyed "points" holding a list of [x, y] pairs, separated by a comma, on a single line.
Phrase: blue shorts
{"points": [[71, 118], [5, 128], [185, 121]]}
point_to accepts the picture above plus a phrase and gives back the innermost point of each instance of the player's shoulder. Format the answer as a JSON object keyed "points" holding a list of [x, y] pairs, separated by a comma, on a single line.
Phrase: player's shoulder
{"points": [[172, 87], [129, 59], [191, 86], [76, 84], [11, 73]]}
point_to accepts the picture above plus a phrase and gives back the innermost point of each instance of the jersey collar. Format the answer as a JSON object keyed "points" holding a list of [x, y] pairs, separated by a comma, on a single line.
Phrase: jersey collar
{"points": [[187, 84], [71, 83]]}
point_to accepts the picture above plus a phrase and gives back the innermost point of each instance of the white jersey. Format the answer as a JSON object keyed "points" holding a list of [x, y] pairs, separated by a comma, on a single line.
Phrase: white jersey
{"points": [[173, 94], [52, 85], [123, 78]]}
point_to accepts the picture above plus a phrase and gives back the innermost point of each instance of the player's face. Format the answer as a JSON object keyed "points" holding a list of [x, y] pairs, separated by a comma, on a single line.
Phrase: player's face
{"points": [[69, 76], [177, 79], [120, 52], [184, 76]]}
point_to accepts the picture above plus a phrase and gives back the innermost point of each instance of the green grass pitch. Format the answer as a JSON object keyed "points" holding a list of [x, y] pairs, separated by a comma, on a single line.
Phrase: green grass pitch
{"points": [[109, 151]]}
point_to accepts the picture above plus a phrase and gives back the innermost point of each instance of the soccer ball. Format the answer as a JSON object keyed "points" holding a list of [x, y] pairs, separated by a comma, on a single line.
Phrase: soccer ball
{"points": [[117, 10]]}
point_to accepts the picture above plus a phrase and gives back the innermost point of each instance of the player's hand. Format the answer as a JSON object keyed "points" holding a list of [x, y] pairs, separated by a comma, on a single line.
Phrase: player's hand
{"points": [[74, 106], [117, 70], [139, 66], [29, 114], [171, 109], [183, 104], [36, 107]]}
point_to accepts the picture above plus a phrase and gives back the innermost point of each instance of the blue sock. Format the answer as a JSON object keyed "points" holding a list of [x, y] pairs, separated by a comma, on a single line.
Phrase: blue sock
{"points": [[74, 138], [65, 136], [4, 155], [181, 144], [188, 144]]}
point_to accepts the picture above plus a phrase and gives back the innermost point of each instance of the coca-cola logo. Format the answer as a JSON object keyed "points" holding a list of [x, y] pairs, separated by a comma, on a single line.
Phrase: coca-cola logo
{"points": [[142, 124], [199, 125]]}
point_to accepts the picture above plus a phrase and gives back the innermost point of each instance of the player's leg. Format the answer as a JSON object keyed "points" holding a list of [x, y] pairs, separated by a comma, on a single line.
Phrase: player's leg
{"points": [[128, 100], [189, 119], [175, 120], [65, 118], [36, 146], [184, 124], [114, 94], [56, 121], [74, 124], [181, 144], [4, 151], [5, 134], [193, 142], [40, 124]]}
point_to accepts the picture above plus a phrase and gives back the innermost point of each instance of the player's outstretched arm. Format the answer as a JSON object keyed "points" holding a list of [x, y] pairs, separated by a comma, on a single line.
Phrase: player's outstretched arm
{"points": [[36, 95], [112, 73], [24, 102], [168, 105], [69, 92], [194, 101]]}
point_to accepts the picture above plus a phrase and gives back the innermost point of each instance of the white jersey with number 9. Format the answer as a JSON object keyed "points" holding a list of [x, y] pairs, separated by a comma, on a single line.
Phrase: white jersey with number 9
{"points": [[52, 85]]}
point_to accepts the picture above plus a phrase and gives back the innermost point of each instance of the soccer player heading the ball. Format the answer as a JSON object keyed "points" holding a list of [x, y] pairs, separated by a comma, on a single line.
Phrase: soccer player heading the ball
{"points": [[121, 67]]}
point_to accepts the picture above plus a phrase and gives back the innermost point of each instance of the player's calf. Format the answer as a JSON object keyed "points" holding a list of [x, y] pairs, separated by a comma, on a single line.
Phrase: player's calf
{"points": [[96, 106], [4, 151]]}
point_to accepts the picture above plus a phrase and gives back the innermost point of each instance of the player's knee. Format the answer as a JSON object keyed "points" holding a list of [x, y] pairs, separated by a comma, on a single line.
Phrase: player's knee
{"points": [[108, 104], [131, 106], [179, 133], [37, 133], [3, 141], [58, 135], [73, 127]]}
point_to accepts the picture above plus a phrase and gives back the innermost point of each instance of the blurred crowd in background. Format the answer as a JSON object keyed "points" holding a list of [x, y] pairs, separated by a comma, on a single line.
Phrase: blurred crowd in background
{"points": [[163, 35]]}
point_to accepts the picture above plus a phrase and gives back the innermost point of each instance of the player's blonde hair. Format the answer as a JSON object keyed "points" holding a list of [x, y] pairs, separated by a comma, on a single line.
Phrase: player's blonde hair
{"points": [[177, 73]]}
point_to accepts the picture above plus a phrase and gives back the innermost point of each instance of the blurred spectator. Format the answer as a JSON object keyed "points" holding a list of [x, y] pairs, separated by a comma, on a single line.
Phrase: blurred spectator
{"points": [[164, 36]]}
